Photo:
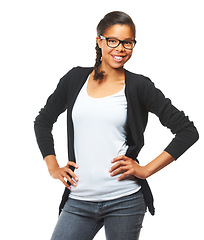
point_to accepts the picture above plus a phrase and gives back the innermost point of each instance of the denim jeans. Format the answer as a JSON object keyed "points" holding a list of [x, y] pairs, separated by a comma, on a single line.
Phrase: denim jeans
{"points": [[81, 220]]}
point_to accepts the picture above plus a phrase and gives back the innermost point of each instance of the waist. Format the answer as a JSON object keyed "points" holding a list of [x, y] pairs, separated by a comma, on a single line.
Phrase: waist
{"points": [[96, 188]]}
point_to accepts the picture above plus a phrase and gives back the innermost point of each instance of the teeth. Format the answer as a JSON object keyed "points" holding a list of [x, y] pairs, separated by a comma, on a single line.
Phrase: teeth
{"points": [[117, 57]]}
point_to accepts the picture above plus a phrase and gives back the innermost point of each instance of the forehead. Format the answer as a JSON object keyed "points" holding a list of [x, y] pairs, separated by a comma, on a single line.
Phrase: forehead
{"points": [[119, 31]]}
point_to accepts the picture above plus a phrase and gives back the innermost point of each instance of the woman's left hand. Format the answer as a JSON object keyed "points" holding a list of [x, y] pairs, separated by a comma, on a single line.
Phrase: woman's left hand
{"points": [[127, 166]]}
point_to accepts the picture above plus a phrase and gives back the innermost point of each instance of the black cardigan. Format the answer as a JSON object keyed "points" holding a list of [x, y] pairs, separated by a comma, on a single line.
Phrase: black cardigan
{"points": [[142, 97]]}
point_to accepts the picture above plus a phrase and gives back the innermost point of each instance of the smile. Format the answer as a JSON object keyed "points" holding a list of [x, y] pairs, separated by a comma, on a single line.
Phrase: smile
{"points": [[118, 58]]}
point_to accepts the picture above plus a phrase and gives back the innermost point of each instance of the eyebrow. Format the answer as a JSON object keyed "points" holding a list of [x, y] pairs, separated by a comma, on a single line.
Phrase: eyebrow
{"points": [[119, 39]]}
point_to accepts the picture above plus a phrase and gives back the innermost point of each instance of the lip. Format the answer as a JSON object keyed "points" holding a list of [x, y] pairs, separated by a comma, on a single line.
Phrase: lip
{"points": [[118, 58]]}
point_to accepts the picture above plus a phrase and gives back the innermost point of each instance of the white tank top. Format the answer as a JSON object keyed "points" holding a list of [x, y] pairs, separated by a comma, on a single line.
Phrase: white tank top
{"points": [[100, 136]]}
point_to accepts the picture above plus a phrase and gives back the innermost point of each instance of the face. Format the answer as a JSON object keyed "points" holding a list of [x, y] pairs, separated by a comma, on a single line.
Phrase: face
{"points": [[115, 57]]}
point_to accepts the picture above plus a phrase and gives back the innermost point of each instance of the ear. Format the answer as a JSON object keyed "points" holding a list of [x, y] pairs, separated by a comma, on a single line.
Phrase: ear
{"points": [[98, 40]]}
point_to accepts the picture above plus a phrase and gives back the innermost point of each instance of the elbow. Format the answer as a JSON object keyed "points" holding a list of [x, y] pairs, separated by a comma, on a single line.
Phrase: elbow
{"points": [[195, 135], [192, 135], [182, 142]]}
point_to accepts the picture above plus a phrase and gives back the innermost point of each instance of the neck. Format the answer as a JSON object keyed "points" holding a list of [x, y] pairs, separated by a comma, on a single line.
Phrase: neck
{"points": [[112, 74]]}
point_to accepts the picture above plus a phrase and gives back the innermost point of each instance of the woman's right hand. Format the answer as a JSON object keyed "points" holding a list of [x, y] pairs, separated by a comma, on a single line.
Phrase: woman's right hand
{"points": [[62, 173]]}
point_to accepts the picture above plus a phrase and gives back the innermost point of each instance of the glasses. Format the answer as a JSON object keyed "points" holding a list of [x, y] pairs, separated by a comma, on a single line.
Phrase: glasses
{"points": [[114, 42]]}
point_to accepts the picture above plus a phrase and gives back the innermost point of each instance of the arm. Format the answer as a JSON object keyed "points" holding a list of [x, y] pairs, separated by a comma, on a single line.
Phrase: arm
{"points": [[55, 105], [153, 100], [43, 125], [184, 130], [158, 163]]}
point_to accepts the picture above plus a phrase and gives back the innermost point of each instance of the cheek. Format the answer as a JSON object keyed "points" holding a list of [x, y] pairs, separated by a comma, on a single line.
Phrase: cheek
{"points": [[130, 54], [106, 51]]}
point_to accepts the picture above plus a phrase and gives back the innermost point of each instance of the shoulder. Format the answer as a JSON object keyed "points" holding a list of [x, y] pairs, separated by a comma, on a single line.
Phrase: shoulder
{"points": [[138, 81], [75, 71], [75, 74], [80, 69]]}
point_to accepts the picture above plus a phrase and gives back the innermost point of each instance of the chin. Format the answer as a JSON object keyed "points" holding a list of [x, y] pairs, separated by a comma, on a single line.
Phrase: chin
{"points": [[117, 65]]}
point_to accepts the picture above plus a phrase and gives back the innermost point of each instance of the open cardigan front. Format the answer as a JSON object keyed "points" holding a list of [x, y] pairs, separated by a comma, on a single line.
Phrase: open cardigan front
{"points": [[142, 97]]}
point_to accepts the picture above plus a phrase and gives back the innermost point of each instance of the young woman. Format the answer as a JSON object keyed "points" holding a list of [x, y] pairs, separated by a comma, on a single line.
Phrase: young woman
{"points": [[107, 112]]}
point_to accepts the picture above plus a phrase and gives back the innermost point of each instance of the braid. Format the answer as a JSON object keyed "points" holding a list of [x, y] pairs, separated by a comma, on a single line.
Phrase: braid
{"points": [[98, 75]]}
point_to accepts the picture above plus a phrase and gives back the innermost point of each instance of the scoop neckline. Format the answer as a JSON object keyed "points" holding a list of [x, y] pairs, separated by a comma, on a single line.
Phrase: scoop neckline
{"points": [[86, 84], [105, 96]]}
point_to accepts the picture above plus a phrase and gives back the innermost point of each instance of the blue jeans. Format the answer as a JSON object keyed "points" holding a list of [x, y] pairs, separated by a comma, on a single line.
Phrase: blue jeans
{"points": [[122, 219]]}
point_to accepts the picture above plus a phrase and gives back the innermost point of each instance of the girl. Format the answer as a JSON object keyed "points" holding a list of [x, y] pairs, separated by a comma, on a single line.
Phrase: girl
{"points": [[107, 112]]}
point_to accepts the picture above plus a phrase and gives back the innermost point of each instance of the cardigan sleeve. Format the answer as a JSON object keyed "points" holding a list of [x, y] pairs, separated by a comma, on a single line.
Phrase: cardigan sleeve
{"points": [[185, 132], [43, 124]]}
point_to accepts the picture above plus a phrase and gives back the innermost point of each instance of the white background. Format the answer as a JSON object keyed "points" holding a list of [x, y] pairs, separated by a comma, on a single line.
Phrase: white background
{"points": [[40, 41]]}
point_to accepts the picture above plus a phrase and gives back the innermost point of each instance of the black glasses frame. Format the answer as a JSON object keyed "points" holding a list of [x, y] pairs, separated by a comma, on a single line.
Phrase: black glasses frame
{"points": [[120, 41]]}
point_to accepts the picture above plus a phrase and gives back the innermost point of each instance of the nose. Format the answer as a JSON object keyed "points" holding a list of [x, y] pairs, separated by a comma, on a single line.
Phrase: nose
{"points": [[120, 48]]}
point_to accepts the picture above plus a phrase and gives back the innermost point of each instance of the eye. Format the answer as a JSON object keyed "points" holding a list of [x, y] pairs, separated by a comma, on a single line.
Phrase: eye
{"points": [[112, 41], [128, 42]]}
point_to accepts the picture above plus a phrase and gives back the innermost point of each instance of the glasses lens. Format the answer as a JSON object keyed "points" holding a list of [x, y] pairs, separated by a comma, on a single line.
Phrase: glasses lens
{"points": [[113, 42], [129, 44]]}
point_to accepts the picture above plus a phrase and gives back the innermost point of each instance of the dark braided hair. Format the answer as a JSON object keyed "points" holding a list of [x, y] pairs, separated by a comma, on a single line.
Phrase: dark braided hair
{"points": [[98, 75], [109, 20]]}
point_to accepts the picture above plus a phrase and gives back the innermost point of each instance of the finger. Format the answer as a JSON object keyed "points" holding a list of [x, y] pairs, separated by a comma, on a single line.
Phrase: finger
{"points": [[121, 157], [65, 183], [117, 165], [73, 175], [65, 175], [73, 164], [124, 175], [118, 171]]}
